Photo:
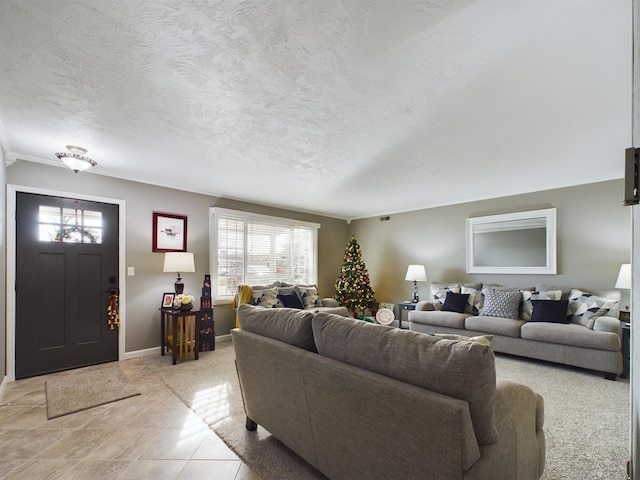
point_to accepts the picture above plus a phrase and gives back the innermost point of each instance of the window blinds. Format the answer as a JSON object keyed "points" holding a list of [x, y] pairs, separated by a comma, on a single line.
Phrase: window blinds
{"points": [[258, 250]]}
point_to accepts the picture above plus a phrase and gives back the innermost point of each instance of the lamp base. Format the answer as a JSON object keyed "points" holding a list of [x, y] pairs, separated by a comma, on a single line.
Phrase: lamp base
{"points": [[415, 298], [178, 286]]}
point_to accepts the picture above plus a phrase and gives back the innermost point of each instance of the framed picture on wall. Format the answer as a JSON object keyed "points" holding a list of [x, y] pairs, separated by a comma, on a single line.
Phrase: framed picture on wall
{"points": [[169, 232]]}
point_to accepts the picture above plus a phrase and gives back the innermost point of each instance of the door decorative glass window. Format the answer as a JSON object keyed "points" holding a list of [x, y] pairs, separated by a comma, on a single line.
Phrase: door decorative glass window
{"points": [[69, 225]]}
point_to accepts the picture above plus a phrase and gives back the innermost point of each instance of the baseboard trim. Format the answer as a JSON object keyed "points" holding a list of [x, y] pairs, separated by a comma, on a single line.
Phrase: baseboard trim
{"points": [[148, 352]]}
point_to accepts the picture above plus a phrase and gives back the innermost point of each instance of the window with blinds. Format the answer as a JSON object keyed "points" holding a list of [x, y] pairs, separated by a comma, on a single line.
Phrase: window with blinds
{"points": [[257, 249]]}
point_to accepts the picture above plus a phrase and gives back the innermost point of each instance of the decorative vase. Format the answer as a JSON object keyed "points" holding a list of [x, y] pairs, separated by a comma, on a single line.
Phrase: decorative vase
{"points": [[186, 307]]}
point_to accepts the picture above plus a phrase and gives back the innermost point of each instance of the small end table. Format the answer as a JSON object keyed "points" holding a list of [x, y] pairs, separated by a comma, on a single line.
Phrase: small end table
{"points": [[402, 307], [180, 333]]}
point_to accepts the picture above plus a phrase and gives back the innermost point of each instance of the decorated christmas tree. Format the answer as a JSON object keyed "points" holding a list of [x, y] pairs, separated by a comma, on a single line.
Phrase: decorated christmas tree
{"points": [[353, 289]]}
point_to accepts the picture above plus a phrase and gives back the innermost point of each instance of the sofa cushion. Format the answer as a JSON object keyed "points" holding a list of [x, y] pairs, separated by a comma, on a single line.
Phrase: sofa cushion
{"points": [[500, 303], [463, 370], [543, 287], [474, 303], [570, 334], [508, 327], [309, 295], [439, 292], [439, 318], [342, 311], [481, 339], [329, 302], [266, 297], [284, 324], [455, 302], [584, 307], [288, 290], [554, 311], [290, 300], [528, 296]]}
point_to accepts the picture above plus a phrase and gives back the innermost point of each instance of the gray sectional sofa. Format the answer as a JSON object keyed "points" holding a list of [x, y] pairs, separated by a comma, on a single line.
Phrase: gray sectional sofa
{"points": [[360, 400], [570, 326]]}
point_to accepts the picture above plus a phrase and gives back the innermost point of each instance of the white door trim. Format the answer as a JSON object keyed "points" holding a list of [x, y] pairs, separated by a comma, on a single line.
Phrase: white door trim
{"points": [[12, 191]]}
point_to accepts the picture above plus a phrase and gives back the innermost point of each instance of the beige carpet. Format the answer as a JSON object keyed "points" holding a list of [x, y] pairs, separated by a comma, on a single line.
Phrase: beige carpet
{"points": [[586, 416], [79, 391]]}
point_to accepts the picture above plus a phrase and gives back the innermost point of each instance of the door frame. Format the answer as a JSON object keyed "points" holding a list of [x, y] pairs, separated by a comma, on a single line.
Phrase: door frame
{"points": [[12, 192]]}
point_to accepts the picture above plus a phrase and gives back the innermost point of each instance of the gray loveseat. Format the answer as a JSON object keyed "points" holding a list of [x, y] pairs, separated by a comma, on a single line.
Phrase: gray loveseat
{"points": [[584, 332], [359, 400]]}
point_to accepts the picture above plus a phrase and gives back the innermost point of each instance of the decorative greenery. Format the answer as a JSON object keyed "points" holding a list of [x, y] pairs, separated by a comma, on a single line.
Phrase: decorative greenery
{"points": [[353, 288]]}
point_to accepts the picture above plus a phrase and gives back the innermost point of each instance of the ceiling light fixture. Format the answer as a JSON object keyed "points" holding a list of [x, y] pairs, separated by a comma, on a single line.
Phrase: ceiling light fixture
{"points": [[75, 159]]}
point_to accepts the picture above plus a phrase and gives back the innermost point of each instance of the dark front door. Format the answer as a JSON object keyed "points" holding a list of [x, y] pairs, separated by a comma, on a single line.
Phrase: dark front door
{"points": [[66, 264]]}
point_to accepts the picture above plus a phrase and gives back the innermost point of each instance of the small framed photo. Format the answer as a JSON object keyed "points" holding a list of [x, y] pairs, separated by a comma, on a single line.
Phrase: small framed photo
{"points": [[169, 232], [167, 300]]}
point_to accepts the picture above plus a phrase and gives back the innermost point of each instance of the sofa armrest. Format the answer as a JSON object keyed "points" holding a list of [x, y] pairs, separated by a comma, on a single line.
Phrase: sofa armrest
{"points": [[329, 302], [607, 324], [242, 296], [520, 449], [425, 306]]}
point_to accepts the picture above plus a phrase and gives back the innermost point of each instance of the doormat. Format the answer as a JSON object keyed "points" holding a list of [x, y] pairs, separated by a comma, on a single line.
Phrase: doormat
{"points": [[81, 391]]}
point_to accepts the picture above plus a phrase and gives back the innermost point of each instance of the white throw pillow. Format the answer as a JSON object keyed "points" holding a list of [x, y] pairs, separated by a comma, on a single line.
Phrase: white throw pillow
{"points": [[309, 296], [267, 297], [584, 307], [439, 292], [475, 299]]}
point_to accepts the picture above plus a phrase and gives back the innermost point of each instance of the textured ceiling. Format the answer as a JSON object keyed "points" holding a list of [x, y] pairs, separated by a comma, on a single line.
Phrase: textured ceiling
{"points": [[345, 108]]}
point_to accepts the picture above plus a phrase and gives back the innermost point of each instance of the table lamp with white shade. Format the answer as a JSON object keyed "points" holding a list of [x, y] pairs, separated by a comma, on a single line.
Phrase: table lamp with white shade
{"points": [[179, 262], [624, 282], [624, 277], [415, 274]]}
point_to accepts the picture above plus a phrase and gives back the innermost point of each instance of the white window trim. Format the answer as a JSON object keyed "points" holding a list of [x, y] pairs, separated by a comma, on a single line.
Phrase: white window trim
{"points": [[240, 215]]}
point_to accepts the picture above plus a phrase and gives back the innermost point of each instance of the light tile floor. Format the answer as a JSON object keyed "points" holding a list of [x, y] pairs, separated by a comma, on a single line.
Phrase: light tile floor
{"points": [[150, 436]]}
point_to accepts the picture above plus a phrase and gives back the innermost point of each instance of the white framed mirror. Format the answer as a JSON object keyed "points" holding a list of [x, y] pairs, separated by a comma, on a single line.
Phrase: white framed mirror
{"points": [[515, 243]]}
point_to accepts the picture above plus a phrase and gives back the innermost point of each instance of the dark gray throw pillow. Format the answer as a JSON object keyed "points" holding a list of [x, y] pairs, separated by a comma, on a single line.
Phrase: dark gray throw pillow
{"points": [[455, 302], [554, 311], [291, 300]]}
